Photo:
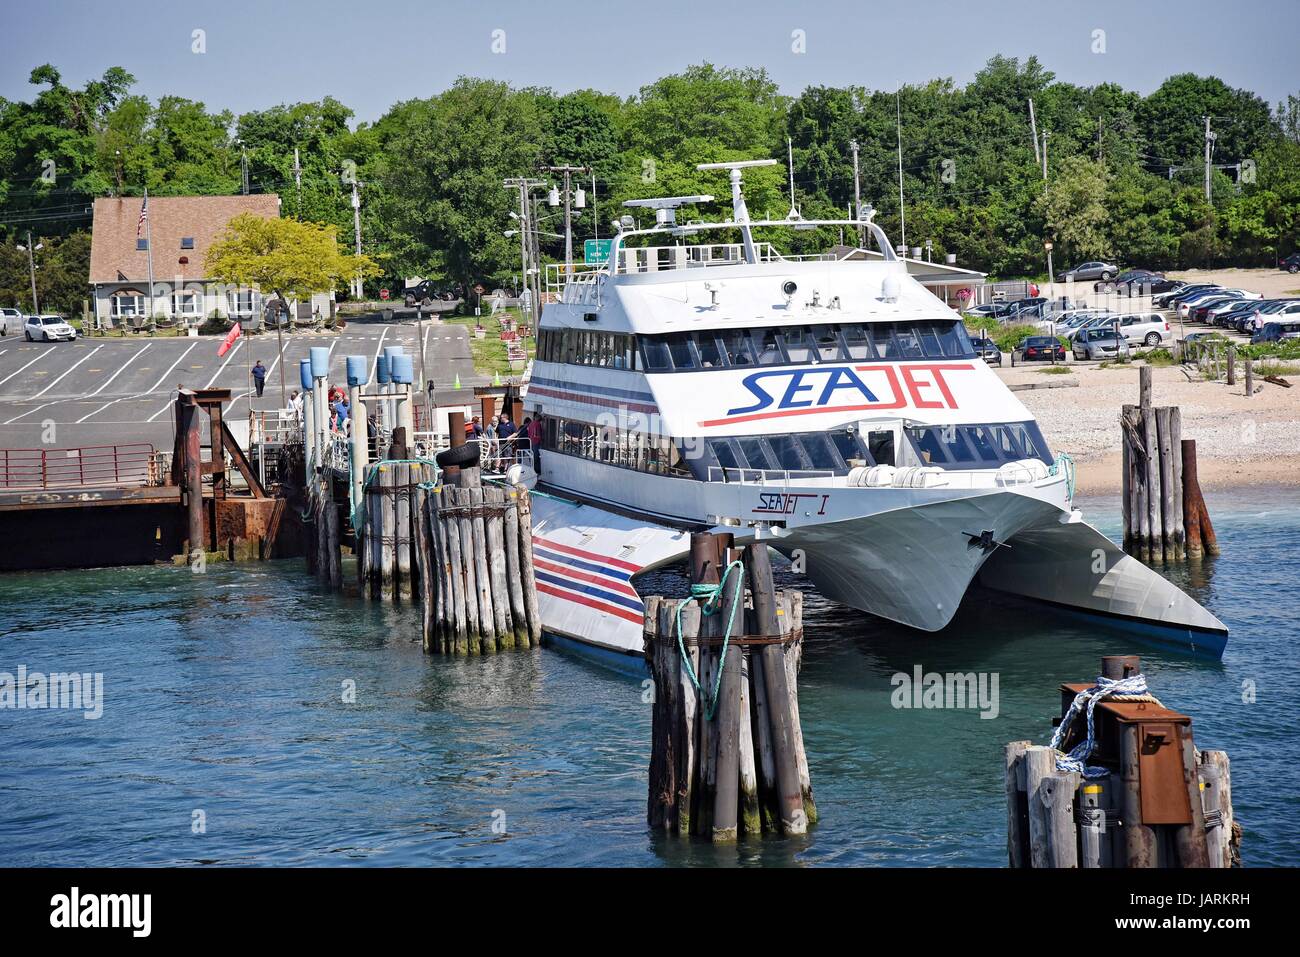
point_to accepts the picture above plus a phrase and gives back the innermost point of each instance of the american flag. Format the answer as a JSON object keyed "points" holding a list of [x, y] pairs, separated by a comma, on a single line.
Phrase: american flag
{"points": [[144, 216]]}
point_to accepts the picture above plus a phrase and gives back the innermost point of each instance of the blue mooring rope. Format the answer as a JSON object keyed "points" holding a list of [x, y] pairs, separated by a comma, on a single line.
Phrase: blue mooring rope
{"points": [[1104, 688], [712, 595]]}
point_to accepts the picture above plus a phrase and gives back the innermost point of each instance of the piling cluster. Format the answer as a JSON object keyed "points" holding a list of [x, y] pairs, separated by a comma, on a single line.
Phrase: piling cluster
{"points": [[1165, 518], [388, 541], [1158, 801], [476, 549], [729, 763]]}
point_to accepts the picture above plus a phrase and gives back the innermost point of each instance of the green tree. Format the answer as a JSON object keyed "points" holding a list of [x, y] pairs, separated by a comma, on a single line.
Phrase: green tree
{"points": [[1073, 209]]}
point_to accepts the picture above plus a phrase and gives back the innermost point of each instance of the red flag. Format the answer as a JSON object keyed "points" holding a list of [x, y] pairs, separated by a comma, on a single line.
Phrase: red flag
{"points": [[229, 341]]}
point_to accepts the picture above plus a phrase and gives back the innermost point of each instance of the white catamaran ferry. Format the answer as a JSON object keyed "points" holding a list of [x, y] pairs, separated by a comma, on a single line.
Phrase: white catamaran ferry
{"points": [[833, 408]]}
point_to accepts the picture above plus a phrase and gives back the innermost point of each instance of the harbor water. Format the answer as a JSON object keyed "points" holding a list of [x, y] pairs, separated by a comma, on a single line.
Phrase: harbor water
{"points": [[250, 719]]}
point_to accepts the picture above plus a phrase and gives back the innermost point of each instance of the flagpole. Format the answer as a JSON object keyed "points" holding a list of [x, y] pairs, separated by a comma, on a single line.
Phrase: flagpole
{"points": [[148, 244]]}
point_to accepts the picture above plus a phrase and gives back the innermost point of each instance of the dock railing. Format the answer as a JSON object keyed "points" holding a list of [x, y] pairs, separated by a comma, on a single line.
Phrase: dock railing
{"points": [[101, 466]]}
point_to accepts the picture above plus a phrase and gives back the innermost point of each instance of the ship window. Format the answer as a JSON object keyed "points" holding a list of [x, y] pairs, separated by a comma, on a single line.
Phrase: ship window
{"points": [[735, 345], [846, 443], [767, 348], [828, 343], [858, 342], [679, 346], [929, 446], [954, 340], [724, 450], [799, 345], [710, 354], [788, 452], [755, 452], [929, 341], [655, 352], [820, 453], [881, 444]]}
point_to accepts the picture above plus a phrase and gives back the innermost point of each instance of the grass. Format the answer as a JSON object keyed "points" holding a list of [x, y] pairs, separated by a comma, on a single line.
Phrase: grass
{"points": [[489, 353], [1155, 357], [1056, 370], [1276, 368]]}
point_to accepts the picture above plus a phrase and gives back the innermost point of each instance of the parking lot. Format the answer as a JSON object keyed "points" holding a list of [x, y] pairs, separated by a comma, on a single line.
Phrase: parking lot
{"points": [[107, 391]]}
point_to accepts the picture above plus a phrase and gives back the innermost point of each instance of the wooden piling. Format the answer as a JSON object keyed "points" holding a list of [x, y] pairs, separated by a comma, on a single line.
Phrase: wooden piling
{"points": [[387, 521], [494, 499], [1050, 796], [1017, 805], [789, 793], [1223, 833], [1175, 456], [525, 507], [402, 531], [514, 572], [482, 570], [1189, 839], [726, 803], [1232, 364], [1250, 378], [474, 623], [450, 529], [426, 559], [1166, 483]]}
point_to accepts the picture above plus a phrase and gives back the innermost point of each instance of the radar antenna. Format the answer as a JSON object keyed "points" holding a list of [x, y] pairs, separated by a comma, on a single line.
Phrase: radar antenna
{"points": [[665, 207], [740, 212]]}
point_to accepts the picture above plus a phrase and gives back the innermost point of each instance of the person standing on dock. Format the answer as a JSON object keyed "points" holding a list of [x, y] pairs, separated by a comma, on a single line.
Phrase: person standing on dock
{"points": [[259, 377]]}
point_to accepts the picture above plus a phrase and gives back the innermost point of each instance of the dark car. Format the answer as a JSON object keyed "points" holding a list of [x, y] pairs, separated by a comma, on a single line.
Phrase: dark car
{"points": [[1139, 282], [1171, 299], [426, 292], [1027, 308], [987, 350], [1291, 263], [1042, 349], [1091, 270]]}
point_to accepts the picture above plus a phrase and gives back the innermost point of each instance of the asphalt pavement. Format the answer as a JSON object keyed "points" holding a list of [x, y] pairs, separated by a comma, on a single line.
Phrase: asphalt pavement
{"points": [[112, 391]]}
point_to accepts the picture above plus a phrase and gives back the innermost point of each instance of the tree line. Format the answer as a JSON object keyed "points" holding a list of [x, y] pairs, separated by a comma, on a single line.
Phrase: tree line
{"points": [[1125, 172]]}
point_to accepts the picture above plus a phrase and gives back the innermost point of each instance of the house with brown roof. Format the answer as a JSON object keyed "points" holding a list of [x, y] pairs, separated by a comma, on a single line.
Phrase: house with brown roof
{"points": [[182, 229]]}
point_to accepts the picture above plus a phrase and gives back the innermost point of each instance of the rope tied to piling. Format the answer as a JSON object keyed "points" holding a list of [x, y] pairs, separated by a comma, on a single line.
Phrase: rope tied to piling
{"points": [[357, 513], [712, 595], [1133, 688]]}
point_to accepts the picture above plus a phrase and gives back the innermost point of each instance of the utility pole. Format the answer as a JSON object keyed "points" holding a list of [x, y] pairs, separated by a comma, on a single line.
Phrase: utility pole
{"points": [[243, 166], [1033, 132], [1046, 134], [31, 267], [357, 290], [525, 187], [857, 194], [1209, 147], [297, 178], [567, 172], [1099, 139], [902, 211]]}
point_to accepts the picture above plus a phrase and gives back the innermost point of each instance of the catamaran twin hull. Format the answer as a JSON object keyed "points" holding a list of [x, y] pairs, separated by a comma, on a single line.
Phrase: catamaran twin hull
{"points": [[907, 555]]}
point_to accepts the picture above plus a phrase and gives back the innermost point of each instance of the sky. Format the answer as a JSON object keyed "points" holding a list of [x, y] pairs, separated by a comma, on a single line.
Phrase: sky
{"points": [[372, 53]]}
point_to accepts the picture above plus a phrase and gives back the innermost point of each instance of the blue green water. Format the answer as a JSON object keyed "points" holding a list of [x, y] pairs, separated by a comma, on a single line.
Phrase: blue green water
{"points": [[223, 694]]}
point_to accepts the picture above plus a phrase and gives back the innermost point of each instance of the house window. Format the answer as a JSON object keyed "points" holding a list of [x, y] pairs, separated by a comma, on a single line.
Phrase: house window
{"points": [[244, 302], [187, 242], [141, 244], [128, 304], [187, 304]]}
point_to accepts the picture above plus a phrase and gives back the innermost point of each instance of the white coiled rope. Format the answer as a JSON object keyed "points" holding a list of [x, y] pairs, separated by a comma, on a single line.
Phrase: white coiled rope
{"points": [[1136, 686]]}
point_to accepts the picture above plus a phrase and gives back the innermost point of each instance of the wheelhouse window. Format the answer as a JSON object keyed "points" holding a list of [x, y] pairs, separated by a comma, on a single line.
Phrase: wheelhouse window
{"points": [[590, 347], [804, 345], [979, 446], [643, 452]]}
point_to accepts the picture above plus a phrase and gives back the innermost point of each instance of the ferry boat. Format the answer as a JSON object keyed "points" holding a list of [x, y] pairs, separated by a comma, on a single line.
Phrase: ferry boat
{"points": [[831, 407]]}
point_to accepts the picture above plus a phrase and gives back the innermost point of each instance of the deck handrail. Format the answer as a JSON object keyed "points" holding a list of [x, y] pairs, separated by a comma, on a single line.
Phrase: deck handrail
{"points": [[93, 466]]}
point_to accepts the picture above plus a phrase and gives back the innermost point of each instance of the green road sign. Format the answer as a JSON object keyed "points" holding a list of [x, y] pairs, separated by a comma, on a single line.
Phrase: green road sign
{"points": [[596, 251]]}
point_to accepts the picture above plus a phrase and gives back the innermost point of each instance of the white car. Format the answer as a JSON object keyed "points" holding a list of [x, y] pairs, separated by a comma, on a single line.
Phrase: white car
{"points": [[1144, 328], [48, 329], [1185, 307], [8, 316]]}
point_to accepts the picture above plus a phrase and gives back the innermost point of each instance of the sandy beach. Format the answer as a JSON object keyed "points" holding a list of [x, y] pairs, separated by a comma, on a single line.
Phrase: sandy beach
{"points": [[1239, 441]]}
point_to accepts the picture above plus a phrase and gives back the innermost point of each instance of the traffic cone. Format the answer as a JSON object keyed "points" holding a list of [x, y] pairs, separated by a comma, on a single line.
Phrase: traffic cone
{"points": [[456, 384], [496, 379]]}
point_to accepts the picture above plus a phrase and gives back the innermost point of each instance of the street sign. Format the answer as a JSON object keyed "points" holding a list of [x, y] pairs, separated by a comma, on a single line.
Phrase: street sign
{"points": [[596, 251], [383, 294], [478, 288]]}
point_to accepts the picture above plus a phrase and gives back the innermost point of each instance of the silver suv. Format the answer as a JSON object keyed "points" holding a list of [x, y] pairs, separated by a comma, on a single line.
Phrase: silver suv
{"points": [[1099, 343], [48, 329], [1146, 328]]}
